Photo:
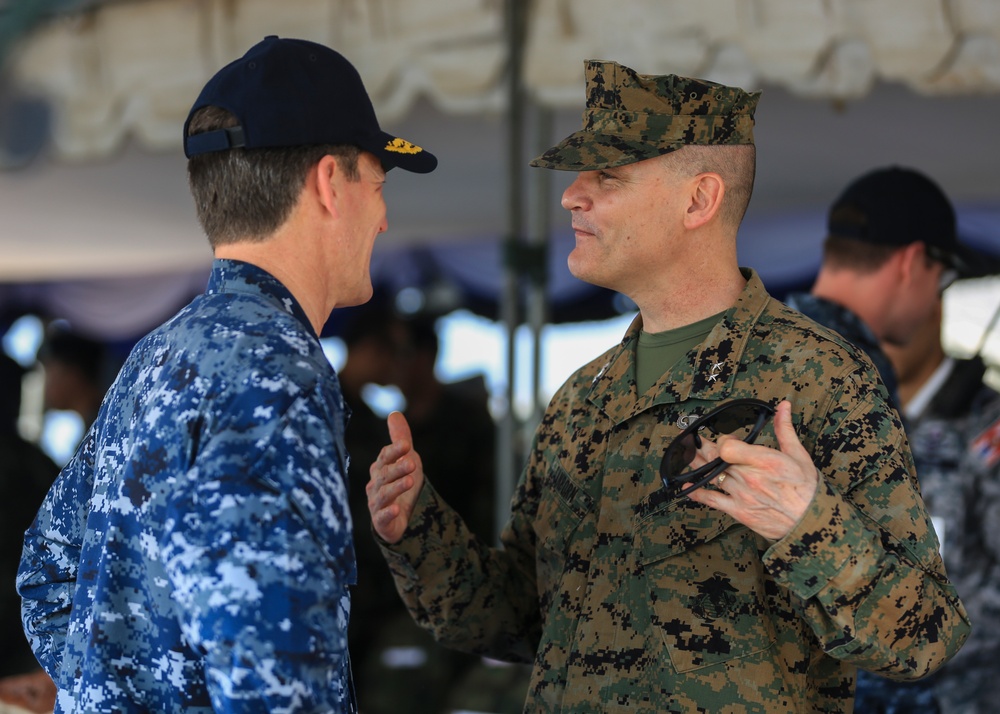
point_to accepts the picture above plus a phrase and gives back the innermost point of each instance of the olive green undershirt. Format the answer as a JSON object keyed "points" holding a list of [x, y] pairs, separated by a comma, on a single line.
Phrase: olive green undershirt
{"points": [[657, 352]]}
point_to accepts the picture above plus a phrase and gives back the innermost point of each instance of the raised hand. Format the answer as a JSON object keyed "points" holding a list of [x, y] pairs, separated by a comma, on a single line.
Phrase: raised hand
{"points": [[396, 479]]}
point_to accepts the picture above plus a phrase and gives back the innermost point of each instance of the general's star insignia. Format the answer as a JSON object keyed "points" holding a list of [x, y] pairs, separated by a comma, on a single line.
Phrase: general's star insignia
{"points": [[716, 371]]}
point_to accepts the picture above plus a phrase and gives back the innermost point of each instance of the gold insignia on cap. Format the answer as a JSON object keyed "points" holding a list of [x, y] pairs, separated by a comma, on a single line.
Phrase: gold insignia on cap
{"points": [[402, 146]]}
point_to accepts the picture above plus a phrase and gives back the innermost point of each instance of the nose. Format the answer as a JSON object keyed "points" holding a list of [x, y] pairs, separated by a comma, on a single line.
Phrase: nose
{"points": [[575, 195]]}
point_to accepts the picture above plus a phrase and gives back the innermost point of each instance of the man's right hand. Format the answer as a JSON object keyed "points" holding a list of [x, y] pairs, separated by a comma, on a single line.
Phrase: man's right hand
{"points": [[396, 479]]}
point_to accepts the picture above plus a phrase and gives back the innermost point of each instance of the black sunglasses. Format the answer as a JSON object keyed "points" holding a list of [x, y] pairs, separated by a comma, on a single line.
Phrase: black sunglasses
{"points": [[744, 418], [950, 272]]}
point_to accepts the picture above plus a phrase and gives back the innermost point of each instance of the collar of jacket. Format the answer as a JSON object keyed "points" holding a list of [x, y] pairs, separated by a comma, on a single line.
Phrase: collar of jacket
{"points": [[705, 373], [237, 276]]}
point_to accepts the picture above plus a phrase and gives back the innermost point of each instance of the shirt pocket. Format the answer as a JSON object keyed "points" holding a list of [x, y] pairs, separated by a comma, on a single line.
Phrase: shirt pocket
{"points": [[706, 587]]}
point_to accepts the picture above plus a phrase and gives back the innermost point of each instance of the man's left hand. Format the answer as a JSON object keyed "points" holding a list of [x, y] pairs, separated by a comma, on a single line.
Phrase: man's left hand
{"points": [[767, 490]]}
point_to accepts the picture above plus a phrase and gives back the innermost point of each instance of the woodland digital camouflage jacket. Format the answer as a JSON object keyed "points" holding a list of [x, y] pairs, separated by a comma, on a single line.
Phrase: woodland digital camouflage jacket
{"points": [[627, 604], [195, 555]]}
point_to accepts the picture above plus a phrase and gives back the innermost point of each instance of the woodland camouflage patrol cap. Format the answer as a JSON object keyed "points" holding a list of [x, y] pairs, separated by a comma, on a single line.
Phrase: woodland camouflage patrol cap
{"points": [[631, 117]]}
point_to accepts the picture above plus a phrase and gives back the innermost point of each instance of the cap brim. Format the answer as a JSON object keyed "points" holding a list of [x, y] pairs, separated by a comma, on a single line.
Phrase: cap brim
{"points": [[587, 151], [393, 151]]}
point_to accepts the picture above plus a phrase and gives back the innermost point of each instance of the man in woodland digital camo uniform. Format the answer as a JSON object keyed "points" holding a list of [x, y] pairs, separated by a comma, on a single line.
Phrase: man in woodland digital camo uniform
{"points": [[810, 555]]}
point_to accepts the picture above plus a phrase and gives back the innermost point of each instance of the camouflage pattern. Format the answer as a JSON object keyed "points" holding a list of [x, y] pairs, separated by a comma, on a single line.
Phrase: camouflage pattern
{"points": [[970, 685], [631, 117], [195, 555], [848, 325], [962, 495], [625, 602]]}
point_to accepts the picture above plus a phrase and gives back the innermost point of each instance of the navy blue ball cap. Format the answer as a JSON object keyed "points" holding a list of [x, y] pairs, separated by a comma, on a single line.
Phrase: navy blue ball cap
{"points": [[896, 206], [288, 92]]}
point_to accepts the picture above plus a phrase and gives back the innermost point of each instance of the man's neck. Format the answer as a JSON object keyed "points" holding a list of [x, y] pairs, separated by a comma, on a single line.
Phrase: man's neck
{"points": [[861, 296], [690, 300], [286, 266]]}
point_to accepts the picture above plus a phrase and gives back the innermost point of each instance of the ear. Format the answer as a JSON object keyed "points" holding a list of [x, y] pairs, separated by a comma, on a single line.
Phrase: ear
{"points": [[909, 257], [707, 192], [324, 180]]}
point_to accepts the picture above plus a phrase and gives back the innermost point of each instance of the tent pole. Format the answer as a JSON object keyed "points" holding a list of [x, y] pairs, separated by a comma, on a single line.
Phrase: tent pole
{"points": [[538, 312], [508, 450]]}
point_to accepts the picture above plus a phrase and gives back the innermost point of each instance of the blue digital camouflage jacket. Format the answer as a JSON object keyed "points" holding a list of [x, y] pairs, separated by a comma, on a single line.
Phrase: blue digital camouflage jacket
{"points": [[195, 554]]}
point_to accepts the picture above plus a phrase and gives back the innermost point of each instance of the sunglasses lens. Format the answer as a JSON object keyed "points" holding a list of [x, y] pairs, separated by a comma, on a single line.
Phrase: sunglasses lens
{"points": [[742, 421], [738, 421], [679, 455], [948, 277]]}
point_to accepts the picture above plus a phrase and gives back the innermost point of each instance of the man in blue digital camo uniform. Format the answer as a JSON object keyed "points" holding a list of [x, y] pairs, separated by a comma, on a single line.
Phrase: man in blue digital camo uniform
{"points": [[808, 556], [971, 684], [891, 249], [196, 554], [947, 407]]}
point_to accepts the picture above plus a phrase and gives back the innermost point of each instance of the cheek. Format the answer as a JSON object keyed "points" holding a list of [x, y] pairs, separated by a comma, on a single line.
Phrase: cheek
{"points": [[377, 210]]}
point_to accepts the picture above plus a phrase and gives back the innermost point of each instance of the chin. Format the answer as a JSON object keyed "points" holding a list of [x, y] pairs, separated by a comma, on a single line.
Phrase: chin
{"points": [[582, 270], [358, 298], [576, 265]]}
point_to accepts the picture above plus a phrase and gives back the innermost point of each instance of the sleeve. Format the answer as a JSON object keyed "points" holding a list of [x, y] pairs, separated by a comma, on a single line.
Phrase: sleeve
{"points": [[470, 596], [864, 562], [259, 552], [50, 560]]}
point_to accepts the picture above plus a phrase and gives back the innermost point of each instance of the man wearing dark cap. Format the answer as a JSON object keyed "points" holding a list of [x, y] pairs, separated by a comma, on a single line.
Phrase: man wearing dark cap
{"points": [[719, 513], [947, 406], [196, 553], [890, 251]]}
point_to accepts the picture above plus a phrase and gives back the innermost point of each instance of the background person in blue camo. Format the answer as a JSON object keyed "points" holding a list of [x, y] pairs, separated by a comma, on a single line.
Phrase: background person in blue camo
{"points": [[972, 685], [891, 250], [947, 406], [26, 473], [196, 554]]}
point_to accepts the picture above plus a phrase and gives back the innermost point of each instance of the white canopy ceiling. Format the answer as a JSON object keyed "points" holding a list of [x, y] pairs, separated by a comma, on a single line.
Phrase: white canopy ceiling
{"points": [[133, 68]]}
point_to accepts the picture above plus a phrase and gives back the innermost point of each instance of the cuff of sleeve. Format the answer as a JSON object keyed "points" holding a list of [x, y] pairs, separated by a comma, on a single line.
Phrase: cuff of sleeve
{"points": [[405, 556], [824, 545]]}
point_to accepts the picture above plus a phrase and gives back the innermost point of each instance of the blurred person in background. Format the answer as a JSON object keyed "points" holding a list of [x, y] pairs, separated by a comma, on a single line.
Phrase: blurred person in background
{"points": [[947, 406], [891, 250], [451, 422], [369, 361], [26, 474], [400, 666], [77, 372], [972, 686]]}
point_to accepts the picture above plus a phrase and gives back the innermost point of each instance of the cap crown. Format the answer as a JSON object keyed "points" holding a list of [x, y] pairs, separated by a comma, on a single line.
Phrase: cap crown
{"points": [[288, 92], [631, 117], [896, 206], [666, 108]]}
